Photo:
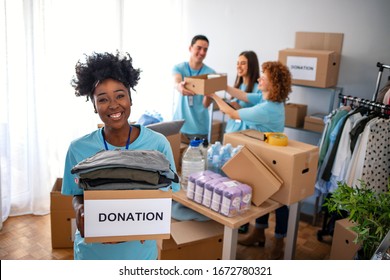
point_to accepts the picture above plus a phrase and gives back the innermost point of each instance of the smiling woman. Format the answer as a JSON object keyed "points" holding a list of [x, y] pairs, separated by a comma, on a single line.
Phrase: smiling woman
{"points": [[107, 80]]}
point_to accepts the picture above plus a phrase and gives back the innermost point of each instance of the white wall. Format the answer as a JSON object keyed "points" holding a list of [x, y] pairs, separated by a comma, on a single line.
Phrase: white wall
{"points": [[269, 26]]}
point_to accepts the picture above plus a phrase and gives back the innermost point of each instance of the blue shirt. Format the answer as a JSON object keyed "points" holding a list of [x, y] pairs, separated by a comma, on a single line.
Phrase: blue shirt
{"points": [[266, 116], [238, 125], [196, 116], [87, 146]]}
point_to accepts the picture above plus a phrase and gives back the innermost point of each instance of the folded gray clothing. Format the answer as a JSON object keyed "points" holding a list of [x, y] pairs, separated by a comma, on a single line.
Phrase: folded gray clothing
{"points": [[145, 160], [150, 177], [122, 186]]}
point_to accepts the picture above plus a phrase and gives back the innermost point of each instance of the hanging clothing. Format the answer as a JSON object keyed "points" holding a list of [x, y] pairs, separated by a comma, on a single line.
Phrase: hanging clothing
{"points": [[376, 171]]}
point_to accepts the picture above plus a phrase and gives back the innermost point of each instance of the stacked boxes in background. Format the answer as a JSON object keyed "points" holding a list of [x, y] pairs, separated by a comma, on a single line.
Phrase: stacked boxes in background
{"points": [[315, 60], [192, 240], [62, 218], [216, 131], [343, 245], [315, 122], [295, 114]]}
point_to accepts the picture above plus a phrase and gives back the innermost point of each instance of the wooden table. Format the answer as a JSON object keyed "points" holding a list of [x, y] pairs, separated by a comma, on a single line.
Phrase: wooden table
{"points": [[231, 225]]}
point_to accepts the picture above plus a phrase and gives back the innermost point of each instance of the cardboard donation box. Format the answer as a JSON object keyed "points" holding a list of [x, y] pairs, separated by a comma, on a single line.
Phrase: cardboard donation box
{"points": [[343, 245], [248, 168], [192, 240], [315, 59], [171, 130], [295, 114], [314, 122], [62, 218], [206, 84], [295, 164], [123, 215]]}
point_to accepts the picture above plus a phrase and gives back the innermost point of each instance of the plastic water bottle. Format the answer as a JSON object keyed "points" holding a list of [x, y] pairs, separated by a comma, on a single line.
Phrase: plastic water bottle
{"points": [[216, 164], [192, 162], [204, 148], [225, 154], [236, 150]]}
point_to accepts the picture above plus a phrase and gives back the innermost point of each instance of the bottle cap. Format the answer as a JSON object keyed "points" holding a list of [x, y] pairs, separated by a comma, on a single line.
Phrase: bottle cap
{"points": [[195, 143]]}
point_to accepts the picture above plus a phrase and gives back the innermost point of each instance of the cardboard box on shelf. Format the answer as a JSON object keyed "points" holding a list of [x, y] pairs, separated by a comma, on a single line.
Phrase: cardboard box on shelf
{"points": [[343, 245], [319, 41], [314, 122], [246, 167], [171, 130], [295, 164], [216, 131], [62, 218], [295, 114], [316, 68], [192, 240], [315, 59], [123, 215], [206, 84]]}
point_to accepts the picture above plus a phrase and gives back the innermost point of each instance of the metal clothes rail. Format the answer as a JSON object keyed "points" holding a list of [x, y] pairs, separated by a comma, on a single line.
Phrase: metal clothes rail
{"points": [[371, 105], [381, 66]]}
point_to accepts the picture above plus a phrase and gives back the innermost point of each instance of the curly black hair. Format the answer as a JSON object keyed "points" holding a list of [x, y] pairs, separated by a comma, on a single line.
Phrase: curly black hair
{"points": [[101, 66]]}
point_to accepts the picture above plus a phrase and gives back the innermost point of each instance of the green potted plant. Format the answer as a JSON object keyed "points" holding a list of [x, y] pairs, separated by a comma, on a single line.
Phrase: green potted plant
{"points": [[370, 211]]}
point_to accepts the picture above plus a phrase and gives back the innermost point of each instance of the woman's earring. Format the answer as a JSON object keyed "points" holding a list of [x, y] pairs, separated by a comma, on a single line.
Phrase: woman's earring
{"points": [[95, 111]]}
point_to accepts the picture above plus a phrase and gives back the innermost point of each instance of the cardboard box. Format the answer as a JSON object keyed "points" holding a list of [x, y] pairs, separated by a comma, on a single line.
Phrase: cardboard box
{"points": [[216, 131], [319, 41], [295, 164], [62, 218], [314, 122], [316, 68], [315, 59], [343, 245], [123, 215], [295, 114], [171, 130], [192, 240], [202, 84], [248, 168]]}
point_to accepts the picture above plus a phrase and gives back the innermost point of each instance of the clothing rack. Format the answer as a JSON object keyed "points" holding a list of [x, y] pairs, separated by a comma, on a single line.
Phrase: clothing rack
{"points": [[371, 105], [381, 66]]}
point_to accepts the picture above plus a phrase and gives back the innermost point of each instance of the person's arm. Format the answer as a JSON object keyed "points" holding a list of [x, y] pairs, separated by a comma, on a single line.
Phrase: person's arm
{"points": [[237, 93], [179, 85], [233, 114], [78, 206]]}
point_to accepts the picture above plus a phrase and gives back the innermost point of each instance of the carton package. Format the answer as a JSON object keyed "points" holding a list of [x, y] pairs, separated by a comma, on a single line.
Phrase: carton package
{"points": [[206, 84], [343, 245], [171, 130], [62, 218], [216, 131], [295, 114], [248, 168], [231, 201], [315, 59], [123, 215], [316, 68], [192, 240], [246, 197], [209, 190], [314, 122], [295, 165]]}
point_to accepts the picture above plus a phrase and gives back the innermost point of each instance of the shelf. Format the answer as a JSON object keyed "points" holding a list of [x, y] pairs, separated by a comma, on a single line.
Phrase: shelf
{"points": [[335, 91], [302, 129]]}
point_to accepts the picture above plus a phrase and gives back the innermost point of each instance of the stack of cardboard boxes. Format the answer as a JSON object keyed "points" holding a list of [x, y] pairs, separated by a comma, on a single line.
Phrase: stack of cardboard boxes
{"points": [[314, 62]]}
